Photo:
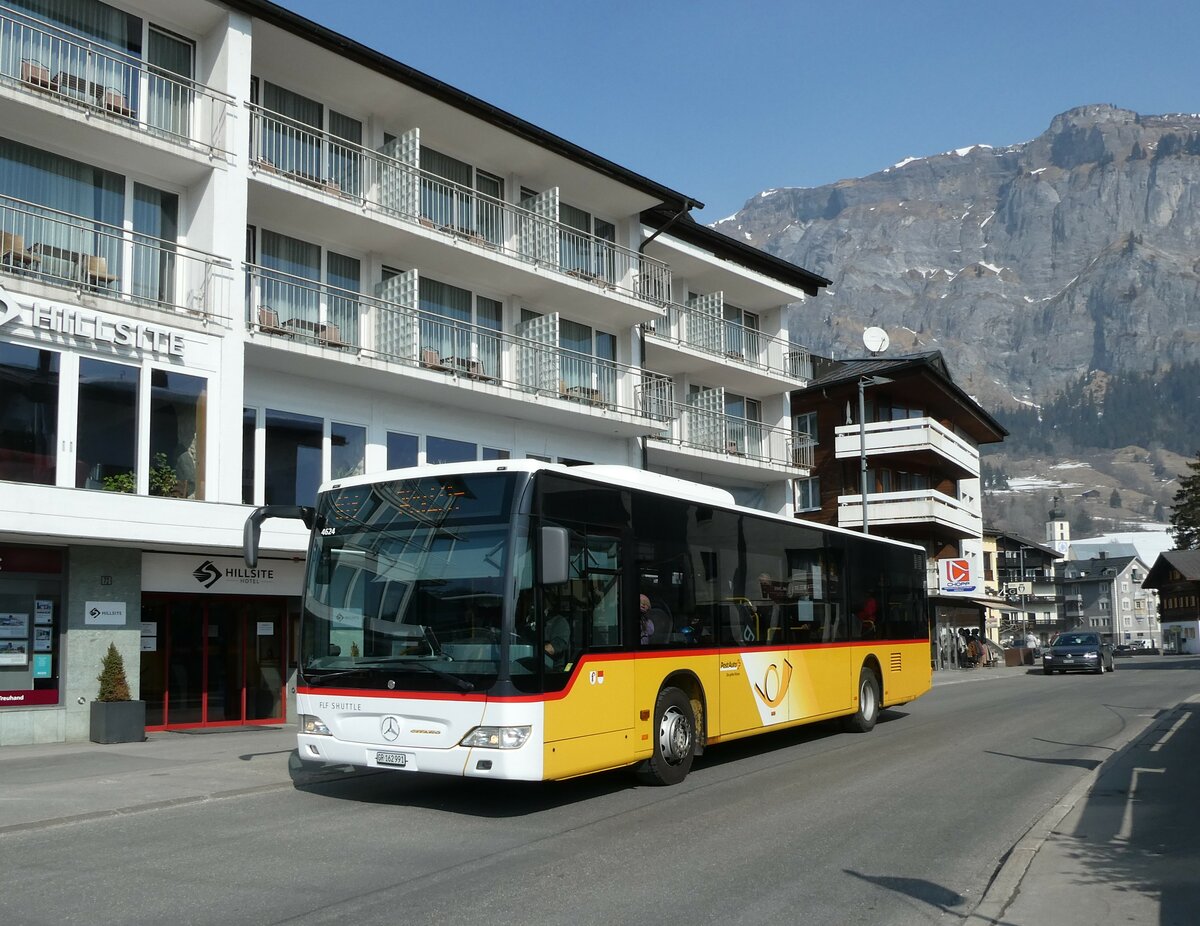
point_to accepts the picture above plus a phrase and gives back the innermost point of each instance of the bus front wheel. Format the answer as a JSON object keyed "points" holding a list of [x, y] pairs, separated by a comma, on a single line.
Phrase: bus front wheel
{"points": [[674, 739], [863, 720]]}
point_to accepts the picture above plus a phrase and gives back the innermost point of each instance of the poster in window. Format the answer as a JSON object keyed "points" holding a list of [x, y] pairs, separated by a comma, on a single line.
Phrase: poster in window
{"points": [[14, 652], [42, 666], [43, 612], [14, 626], [43, 639]]}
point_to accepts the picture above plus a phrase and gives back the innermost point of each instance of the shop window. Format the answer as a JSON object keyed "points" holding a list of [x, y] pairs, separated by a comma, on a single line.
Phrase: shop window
{"points": [[347, 450], [107, 441], [178, 413], [293, 458], [28, 414], [401, 450], [493, 453], [446, 450]]}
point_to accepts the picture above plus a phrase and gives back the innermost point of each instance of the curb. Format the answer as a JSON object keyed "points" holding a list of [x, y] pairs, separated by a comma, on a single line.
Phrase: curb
{"points": [[1006, 882]]}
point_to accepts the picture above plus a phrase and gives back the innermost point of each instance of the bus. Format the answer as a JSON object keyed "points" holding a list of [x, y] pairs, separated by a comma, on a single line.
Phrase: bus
{"points": [[524, 620]]}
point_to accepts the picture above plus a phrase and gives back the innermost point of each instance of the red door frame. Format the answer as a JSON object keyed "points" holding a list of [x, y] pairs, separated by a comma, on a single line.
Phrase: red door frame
{"points": [[244, 620]]}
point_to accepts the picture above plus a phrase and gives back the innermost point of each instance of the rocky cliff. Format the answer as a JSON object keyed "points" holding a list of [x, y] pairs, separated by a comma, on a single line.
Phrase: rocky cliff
{"points": [[1028, 266]]}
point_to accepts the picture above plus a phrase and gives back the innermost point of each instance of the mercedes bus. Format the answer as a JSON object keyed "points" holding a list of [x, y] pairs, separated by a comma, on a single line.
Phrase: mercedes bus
{"points": [[523, 620]]}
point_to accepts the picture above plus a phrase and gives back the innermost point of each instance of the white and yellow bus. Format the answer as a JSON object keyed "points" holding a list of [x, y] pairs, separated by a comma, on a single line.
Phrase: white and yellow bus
{"points": [[524, 620]]}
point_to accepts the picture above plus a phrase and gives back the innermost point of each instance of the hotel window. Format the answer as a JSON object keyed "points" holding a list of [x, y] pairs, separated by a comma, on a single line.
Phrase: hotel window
{"points": [[28, 414], [401, 450], [446, 450], [106, 443], [806, 423], [293, 458], [742, 338], [249, 427], [744, 431], [586, 244], [178, 411], [808, 494], [347, 450], [587, 360], [291, 139]]}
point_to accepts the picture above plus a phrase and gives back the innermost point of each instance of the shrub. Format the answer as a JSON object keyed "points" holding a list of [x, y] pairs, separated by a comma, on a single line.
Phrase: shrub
{"points": [[114, 686]]}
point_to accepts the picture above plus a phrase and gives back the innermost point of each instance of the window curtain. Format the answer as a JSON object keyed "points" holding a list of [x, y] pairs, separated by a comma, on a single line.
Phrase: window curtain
{"points": [[286, 290], [445, 314], [91, 196], [345, 161], [446, 204], [344, 273], [575, 246], [286, 143], [170, 89], [155, 230], [89, 19]]}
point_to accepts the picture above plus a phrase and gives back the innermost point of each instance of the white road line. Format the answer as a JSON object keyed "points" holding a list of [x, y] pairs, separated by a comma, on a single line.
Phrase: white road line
{"points": [[1174, 728], [1126, 829]]}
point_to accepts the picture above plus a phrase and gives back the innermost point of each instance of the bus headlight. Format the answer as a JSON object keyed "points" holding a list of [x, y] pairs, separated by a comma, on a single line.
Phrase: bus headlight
{"points": [[313, 725], [497, 737]]}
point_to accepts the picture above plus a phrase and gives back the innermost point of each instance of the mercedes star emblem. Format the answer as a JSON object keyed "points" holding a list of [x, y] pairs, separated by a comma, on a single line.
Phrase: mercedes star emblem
{"points": [[390, 728]]}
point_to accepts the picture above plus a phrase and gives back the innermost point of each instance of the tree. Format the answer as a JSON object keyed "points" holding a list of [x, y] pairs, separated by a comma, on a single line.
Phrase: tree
{"points": [[1185, 510], [114, 686], [1114, 500]]}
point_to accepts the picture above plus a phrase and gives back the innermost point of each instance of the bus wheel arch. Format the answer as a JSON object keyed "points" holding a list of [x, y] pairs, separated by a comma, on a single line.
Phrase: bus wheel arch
{"points": [[870, 698], [690, 685], [675, 732]]}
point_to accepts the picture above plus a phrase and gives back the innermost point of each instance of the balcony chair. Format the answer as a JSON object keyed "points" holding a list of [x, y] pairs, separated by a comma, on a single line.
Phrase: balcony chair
{"points": [[114, 101], [95, 271], [13, 252], [35, 74], [268, 321], [432, 359]]}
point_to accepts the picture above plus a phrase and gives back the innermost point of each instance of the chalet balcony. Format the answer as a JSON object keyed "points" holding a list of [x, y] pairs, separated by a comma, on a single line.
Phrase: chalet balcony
{"points": [[911, 510], [448, 360], [923, 438], [731, 445], [756, 363], [58, 249], [49, 65], [360, 179]]}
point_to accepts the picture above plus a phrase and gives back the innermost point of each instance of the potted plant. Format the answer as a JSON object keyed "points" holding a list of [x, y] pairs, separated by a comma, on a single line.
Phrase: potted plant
{"points": [[116, 718]]}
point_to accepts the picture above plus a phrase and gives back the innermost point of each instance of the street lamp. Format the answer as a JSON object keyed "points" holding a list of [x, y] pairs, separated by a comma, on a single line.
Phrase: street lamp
{"points": [[863, 383]]}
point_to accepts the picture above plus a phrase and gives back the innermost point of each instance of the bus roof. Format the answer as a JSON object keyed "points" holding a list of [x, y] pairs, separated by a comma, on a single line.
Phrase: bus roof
{"points": [[606, 473]]}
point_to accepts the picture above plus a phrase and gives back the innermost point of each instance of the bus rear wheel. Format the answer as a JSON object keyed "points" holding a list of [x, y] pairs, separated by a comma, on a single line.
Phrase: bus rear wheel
{"points": [[863, 720], [674, 739]]}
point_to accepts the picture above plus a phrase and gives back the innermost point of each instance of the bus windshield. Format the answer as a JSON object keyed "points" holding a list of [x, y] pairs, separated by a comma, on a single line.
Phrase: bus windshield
{"points": [[405, 584]]}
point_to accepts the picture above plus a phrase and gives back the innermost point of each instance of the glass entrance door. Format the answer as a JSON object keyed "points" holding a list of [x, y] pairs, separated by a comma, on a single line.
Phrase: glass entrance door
{"points": [[212, 662]]}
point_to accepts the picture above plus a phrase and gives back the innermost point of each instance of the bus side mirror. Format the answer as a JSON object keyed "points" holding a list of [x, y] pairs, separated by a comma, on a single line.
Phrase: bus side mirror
{"points": [[555, 558], [252, 531]]}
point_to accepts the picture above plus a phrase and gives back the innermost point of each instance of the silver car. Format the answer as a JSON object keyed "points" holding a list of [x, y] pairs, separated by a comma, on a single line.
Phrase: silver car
{"points": [[1080, 651]]}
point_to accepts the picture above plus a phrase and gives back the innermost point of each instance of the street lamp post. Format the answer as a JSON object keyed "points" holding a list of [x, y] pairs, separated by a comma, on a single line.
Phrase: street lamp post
{"points": [[863, 383]]}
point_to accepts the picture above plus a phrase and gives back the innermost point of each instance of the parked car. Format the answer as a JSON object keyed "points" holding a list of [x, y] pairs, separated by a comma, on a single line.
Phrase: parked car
{"points": [[1079, 651], [1124, 649]]}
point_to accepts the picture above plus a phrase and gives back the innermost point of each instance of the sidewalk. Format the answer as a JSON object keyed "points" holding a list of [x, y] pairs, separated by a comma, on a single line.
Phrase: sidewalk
{"points": [[62, 782], [1123, 846]]}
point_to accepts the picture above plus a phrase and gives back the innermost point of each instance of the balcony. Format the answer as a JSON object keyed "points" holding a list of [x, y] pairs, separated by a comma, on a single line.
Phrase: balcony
{"points": [[911, 513], [39, 61], [449, 361], [59, 249], [922, 437], [756, 363], [729, 445], [361, 180]]}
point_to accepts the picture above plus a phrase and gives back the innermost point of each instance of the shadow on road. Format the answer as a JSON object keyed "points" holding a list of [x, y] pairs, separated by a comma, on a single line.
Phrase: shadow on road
{"points": [[928, 892]]}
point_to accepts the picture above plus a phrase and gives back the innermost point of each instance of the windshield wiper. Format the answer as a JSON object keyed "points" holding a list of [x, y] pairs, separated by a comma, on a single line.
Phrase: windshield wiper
{"points": [[389, 663]]}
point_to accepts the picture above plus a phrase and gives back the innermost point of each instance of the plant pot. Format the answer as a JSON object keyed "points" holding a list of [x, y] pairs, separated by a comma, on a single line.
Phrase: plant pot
{"points": [[118, 721]]}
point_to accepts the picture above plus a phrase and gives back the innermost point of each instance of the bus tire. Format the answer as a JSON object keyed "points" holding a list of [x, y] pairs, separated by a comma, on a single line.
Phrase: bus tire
{"points": [[674, 735], [863, 720]]}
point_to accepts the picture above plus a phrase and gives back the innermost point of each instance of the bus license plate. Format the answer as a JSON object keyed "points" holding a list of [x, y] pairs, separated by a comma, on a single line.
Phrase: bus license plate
{"points": [[397, 759]]}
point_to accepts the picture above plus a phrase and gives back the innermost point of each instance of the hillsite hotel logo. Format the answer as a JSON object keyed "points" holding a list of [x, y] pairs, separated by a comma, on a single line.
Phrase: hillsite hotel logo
{"points": [[87, 325], [207, 574]]}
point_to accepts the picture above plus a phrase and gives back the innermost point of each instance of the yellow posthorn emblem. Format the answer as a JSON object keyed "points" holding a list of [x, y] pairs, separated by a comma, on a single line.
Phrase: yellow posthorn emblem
{"points": [[774, 685]]}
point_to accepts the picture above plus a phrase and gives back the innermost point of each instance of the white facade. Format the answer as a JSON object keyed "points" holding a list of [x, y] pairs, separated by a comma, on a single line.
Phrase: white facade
{"points": [[238, 261]]}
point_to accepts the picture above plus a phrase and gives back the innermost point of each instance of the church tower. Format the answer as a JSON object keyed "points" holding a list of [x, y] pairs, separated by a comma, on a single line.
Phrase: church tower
{"points": [[1058, 528]]}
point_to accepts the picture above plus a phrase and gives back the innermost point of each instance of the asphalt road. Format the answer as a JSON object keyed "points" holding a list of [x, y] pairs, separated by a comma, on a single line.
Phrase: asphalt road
{"points": [[904, 825]]}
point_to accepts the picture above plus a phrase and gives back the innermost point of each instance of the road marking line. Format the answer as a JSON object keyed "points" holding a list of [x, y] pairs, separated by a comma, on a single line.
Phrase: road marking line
{"points": [[1174, 728], [1126, 829]]}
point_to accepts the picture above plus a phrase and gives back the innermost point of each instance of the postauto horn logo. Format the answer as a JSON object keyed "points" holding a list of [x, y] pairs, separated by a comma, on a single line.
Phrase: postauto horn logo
{"points": [[207, 574], [956, 575]]}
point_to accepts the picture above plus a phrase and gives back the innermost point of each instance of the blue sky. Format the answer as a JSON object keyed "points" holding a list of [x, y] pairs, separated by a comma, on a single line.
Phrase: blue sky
{"points": [[719, 100]]}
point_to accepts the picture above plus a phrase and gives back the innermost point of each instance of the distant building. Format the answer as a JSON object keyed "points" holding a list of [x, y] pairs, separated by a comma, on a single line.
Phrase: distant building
{"points": [[918, 437], [1023, 574], [1175, 575], [1107, 594]]}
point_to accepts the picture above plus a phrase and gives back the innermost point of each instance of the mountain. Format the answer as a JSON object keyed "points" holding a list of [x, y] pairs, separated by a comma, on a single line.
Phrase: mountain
{"points": [[1034, 268]]}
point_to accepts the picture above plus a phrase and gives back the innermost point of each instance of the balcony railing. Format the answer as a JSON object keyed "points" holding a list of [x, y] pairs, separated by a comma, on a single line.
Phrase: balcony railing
{"points": [[906, 435], [734, 437], [732, 341], [59, 248], [920, 506], [294, 308], [40, 58], [387, 186]]}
